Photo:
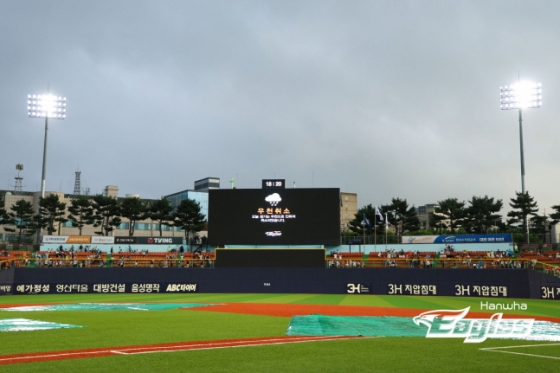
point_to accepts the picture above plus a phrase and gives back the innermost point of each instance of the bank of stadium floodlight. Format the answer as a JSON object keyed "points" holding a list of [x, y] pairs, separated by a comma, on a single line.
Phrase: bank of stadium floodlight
{"points": [[46, 106], [521, 95]]}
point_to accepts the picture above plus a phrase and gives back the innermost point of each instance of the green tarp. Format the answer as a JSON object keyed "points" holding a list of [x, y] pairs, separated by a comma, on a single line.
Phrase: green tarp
{"points": [[18, 325]]}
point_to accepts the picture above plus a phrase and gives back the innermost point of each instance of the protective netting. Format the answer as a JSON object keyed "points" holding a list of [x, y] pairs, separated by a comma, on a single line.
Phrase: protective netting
{"points": [[106, 307], [366, 326], [18, 325]]}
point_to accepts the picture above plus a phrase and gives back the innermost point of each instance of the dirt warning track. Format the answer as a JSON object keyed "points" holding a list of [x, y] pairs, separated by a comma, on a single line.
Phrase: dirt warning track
{"points": [[157, 348]]}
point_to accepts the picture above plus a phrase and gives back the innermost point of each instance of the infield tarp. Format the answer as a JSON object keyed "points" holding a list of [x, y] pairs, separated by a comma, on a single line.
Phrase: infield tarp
{"points": [[19, 325], [364, 326], [389, 326]]}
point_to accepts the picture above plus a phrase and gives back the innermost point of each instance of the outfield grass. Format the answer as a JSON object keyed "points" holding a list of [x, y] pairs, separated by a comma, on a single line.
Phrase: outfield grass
{"points": [[387, 354]]}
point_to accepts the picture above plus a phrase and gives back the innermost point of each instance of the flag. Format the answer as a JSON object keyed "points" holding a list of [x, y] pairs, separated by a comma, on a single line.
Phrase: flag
{"points": [[378, 213], [366, 222], [386, 222]]}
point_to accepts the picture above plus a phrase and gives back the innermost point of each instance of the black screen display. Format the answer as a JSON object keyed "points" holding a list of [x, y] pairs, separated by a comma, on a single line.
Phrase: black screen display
{"points": [[274, 217], [270, 258]]}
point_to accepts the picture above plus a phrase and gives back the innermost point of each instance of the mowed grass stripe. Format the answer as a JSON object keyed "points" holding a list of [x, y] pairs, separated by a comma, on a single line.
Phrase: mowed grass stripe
{"points": [[356, 355], [113, 328]]}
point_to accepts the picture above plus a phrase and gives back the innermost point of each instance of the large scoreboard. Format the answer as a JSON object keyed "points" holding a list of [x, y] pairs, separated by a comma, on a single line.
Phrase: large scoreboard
{"points": [[274, 216]]}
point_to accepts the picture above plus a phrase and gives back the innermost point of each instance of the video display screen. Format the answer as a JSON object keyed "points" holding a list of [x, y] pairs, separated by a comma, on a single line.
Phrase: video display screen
{"points": [[274, 217]]}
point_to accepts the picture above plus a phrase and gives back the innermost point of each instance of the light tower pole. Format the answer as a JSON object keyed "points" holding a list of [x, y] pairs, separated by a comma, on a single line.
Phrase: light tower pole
{"points": [[45, 106], [519, 96]]}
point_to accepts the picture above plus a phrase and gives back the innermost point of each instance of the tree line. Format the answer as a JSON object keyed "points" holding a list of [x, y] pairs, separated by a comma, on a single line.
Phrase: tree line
{"points": [[102, 212], [477, 216]]}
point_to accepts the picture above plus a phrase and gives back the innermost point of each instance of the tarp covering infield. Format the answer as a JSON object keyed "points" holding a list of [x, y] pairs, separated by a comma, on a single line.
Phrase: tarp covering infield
{"points": [[19, 325], [370, 326], [389, 326]]}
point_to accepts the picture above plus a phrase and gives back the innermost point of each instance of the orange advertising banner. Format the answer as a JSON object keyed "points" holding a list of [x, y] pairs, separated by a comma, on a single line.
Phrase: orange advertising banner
{"points": [[78, 239]]}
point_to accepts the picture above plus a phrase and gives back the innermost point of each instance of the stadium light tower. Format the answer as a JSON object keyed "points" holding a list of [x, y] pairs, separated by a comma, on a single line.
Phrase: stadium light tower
{"points": [[46, 106], [521, 95]]}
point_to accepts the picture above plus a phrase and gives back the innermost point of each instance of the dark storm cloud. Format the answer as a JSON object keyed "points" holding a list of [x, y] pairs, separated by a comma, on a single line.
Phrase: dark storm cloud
{"points": [[385, 99]]}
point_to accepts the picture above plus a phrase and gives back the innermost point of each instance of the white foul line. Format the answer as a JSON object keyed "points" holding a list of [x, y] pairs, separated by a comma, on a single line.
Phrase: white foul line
{"points": [[496, 349], [174, 348], [211, 346]]}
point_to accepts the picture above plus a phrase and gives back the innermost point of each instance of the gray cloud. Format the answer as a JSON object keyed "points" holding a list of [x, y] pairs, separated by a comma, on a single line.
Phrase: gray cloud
{"points": [[385, 99]]}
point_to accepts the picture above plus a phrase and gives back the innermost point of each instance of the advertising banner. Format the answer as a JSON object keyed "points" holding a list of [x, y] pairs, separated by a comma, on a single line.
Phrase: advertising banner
{"points": [[103, 239], [460, 238], [126, 240], [419, 239], [105, 288], [78, 239], [55, 239], [5, 289], [160, 240]]}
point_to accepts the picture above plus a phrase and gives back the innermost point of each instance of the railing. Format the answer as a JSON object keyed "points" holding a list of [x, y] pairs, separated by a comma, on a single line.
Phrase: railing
{"points": [[106, 263], [100, 259], [444, 263], [163, 260]]}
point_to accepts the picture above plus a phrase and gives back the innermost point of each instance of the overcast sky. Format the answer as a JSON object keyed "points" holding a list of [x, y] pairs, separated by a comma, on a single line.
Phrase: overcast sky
{"points": [[380, 98]]}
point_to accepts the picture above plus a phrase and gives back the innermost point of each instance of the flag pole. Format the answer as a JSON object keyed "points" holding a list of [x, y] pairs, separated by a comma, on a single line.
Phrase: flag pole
{"points": [[375, 232], [386, 228], [364, 232]]}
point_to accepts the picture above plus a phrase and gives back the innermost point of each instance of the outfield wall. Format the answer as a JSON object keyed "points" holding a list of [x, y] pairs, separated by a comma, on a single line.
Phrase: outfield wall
{"points": [[485, 283]]}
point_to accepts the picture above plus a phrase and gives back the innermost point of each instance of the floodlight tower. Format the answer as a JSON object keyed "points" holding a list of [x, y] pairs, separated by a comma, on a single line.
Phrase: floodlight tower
{"points": [[19, 187], [46, 106], [77, 187], [519, 96]]}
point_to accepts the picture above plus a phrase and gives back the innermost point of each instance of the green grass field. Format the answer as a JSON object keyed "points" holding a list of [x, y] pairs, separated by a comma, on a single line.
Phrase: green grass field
{"points": [[386, 354]]}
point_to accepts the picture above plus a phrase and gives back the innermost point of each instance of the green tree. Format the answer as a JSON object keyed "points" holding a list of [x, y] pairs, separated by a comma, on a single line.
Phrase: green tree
{"points": [[160, 211], [51, 211], [21, 217], [402, 217], [523, 206], [449, 214], [134, 209], [539, 225], [81, 212], [3, 213], [188, 217], [481, 214], [107, 214], [357, 225], [555, 216]]}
